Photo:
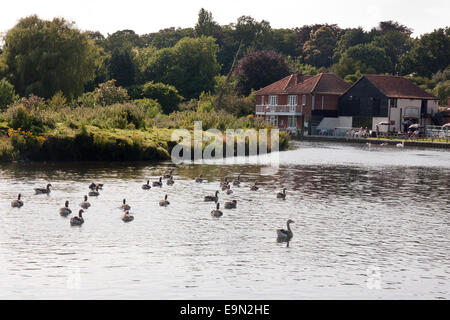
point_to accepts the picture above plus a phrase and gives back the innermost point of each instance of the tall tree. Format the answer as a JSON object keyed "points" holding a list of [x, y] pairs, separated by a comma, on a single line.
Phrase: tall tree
{"points": [[259, 69], [428, 54], [206, 26], [44, 57], [318, 51]]}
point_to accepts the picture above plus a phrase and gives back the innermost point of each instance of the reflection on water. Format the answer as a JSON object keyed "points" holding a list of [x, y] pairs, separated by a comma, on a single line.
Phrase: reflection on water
{"points": [[369, 223]]}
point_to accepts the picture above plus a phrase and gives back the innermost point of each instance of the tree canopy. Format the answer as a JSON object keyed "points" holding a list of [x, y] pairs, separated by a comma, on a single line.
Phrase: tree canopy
{"points": [[44, 57]]}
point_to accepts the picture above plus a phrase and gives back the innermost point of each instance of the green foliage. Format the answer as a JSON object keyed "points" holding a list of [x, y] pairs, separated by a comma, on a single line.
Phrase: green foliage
{"points": [[19, 117], [57, 102], [205, 103], [442, 91], [87, 100], [7, 94], [190, 66], [319, 49], [44, 57], [165, 94], [151, 106], [428, 54], [108, 93], [365, 58]]}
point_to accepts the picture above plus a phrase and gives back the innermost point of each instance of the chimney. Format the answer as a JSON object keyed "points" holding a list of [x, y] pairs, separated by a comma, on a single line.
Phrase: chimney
{"points": [[298, 77]]}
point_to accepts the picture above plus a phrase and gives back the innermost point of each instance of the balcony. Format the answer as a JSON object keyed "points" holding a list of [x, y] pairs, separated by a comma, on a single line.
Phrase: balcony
{"points": [[279, 110]]}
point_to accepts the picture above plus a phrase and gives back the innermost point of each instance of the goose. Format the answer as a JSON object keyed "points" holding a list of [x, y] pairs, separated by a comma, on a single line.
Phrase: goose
{"points": [[125, 206], [400, 145], [212, 198], [146, 186], [95, 185], [285, 235], [77, 220], [224, 184], [65, 211], [228, 190], [199, 179], [237, 182], [369, 145], [230, 204], [168, 175], [85, 204], [170, 181], [43, 190], [17, 203], [254, 187], [157, 183], [127, 217], [216, 213], [282, 195], [164, 203], [384, 144], [94, 193]]}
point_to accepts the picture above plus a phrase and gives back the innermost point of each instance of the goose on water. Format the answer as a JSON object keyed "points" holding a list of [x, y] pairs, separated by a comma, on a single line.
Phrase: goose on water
{"points": [[146, 186], [285, 235], [237, 182], [157, 183], [400, 145], [77, 220], [212, 198], [93, 186], [228, 190], [230, 204], [124, 205], [43, 190], [164, 203], [168, 175], [127, 217], [170, 181], [199, 179], [65, 211], [17, 203], [254, 187], [217, 213], [282, 195], [224, 184], [85, 204], [94, 193]]}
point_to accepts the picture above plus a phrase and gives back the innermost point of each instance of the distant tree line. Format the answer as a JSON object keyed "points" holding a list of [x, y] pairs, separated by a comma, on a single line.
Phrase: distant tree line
{"points": [[182, 65]]}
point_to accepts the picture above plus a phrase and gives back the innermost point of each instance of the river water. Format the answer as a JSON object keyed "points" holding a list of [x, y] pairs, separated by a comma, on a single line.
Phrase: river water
{"points": [[370, 223]]}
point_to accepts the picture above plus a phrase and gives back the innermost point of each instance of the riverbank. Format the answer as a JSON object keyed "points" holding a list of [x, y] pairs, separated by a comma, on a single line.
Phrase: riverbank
{"points": [[90, 143], [407, 143]]}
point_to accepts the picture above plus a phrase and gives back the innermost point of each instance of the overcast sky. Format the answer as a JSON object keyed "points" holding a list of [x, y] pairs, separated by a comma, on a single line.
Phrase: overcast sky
{"points": [[144, 16]]}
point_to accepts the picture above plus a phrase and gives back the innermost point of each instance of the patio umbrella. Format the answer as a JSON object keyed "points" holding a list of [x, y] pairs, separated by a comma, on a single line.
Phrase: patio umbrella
{"points": [[447, 125], [414, 126], [383, 123]]}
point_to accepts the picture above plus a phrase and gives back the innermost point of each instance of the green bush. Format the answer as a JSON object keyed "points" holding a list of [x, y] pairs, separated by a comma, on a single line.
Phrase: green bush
{"points": [[19, 117], [108, 93], [7, 94], [151, 106], [165, 94]]}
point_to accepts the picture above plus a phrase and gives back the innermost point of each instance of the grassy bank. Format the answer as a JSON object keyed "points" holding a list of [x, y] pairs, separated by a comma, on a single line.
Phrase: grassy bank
{"points": [[120, 132]]}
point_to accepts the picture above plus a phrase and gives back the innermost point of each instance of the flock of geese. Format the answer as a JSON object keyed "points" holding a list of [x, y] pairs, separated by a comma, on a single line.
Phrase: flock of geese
{"points": [[283, 235]]}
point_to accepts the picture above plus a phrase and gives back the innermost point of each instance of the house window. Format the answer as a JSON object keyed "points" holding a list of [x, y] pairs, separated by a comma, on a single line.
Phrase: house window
{"points": [[292, 100], [423, 107], [273, 100], [323, 98], [262, 100], [304, 100], [313, 102], [393, 103], [274, 120], [291, 122]]}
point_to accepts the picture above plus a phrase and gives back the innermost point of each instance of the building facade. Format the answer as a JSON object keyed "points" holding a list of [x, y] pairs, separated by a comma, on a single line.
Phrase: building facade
{"points": [[391, 102], [300, 103]]}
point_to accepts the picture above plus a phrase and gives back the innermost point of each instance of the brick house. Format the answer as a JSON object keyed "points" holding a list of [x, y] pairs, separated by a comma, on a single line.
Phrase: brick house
{"points": [[299, 102]]}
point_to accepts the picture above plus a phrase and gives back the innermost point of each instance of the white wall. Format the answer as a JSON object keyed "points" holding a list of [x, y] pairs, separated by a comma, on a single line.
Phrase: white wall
{"points": [[328, 123], [345, 122]]}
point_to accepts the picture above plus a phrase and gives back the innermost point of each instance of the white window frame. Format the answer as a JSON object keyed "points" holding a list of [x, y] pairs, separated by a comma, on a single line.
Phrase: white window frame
{"points": [[292, 122], [273, 100], [262, 100], [292, 102], [304, 100]]}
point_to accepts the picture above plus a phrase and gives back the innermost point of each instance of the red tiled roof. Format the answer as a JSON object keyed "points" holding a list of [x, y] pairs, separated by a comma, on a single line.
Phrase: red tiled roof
{"points": [[323, 83], [398, 87], [282, 85]]}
